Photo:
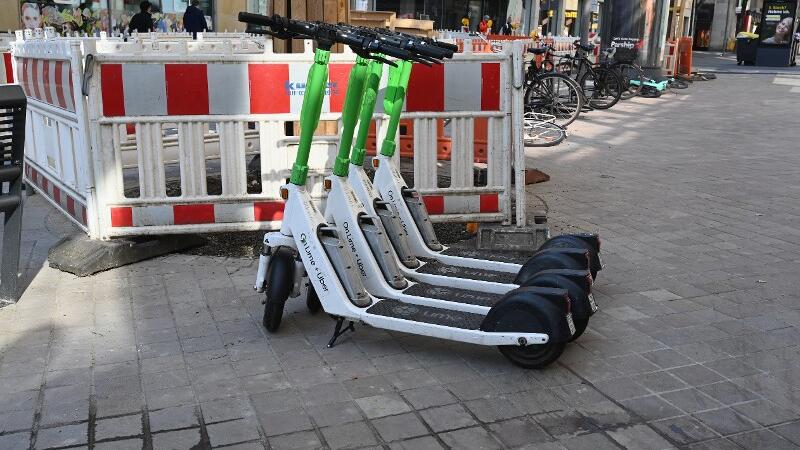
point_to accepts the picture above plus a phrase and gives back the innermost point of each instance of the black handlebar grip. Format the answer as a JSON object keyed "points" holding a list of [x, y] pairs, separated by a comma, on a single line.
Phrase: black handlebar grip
{"points": [[433, 51], [394, 52], [255, 19], [447, 46]]}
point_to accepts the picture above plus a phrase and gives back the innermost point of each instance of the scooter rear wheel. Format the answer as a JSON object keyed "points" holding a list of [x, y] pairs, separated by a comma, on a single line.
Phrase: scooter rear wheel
{"points": [[524, 311], [568, 241], [580, 307], [533, 356], [280, 277]]}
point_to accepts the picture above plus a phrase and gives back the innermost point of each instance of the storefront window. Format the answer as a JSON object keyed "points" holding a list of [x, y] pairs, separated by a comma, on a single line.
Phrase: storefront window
{"points": [[91, 17], [448, 14]]}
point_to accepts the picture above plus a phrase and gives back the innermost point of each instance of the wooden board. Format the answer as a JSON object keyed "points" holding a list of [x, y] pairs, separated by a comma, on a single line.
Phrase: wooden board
{"points": [[279, 7], [315, 10], [298, 8]]}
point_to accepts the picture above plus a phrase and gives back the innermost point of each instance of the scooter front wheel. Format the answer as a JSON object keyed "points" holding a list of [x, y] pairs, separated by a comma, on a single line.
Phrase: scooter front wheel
{"points": [[280, 277], [312, 300]]}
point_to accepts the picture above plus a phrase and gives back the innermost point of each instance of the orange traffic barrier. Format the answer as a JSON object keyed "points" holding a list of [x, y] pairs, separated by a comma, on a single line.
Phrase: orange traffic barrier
{"points": [[685, 55]]}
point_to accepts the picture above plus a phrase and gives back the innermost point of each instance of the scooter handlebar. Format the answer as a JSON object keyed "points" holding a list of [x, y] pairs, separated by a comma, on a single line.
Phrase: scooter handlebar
{"points": [[256, 19]]}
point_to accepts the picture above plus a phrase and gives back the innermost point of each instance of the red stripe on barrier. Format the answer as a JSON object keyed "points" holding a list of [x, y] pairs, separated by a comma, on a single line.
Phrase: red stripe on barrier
{"points": [[187, 89], [34, 176], [70, 90], [46, 81], [490, 203], [338, 74], [9, 68], [267, 88], [62, 101], [83, 216], [122, 216], [490, 87], [112, 90], [426, 88], [434, 203], [35, 72], [267, 211], [70, 205], [192, 214], [57, 194]]}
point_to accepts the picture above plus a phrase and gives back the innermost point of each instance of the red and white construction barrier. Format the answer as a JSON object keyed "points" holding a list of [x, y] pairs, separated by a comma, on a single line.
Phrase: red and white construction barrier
{"points": [[48, 81], [133, 156]]}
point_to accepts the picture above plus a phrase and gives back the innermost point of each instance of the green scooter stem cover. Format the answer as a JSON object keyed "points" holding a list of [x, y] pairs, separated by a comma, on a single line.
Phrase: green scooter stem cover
{"points": [[393, 103], [370, 96], [352, 104], [309, 113]]}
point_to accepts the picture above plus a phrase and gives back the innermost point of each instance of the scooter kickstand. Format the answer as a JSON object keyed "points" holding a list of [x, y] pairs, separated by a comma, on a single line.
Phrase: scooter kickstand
{"points": [[338, 331]]}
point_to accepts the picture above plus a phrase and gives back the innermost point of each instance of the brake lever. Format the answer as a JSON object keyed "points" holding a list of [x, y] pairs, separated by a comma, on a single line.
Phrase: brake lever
{"points": [[367, 55], [419, 59], [283, 34]]}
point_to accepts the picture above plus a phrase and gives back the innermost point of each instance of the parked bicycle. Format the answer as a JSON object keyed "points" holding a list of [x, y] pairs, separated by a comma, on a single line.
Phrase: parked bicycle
{"points": [[623, 61], [552, 93], [601, 86]]}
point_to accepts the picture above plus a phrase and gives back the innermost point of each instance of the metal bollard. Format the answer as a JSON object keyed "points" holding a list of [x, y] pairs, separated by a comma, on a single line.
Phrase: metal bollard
{"points": [[12, 143]]}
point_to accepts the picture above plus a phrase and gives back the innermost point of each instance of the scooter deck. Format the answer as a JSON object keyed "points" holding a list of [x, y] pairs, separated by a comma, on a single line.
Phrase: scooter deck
{"points": [[427, 314], [434, 267], [453, 294], [512, 257]]}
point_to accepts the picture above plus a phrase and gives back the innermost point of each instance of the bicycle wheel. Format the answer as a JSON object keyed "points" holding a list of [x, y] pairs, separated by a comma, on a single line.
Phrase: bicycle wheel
{"points": [[632, 80], [603, 87], [554, 94], [542, 134]]}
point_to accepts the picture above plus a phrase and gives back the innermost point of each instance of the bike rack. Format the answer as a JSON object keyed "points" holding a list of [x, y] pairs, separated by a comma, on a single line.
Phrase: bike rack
{"points": [[13, 105]]}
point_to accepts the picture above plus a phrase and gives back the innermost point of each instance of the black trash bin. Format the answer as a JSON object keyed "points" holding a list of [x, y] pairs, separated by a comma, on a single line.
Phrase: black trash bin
{"points": [[746, 51]]}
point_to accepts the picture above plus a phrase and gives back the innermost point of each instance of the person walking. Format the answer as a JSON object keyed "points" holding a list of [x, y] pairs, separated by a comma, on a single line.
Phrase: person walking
{"points": [[507, 28], [194, 21], [142, 21]]}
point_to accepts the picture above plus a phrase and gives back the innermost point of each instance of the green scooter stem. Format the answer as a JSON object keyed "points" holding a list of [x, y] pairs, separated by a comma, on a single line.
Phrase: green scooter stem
{"points": [[393, 103], [352, 104], [370, 96], [310, 112]]}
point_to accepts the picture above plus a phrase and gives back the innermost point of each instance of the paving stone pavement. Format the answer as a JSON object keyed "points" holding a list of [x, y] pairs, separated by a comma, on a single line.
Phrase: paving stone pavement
{"points": [[696, 344]]}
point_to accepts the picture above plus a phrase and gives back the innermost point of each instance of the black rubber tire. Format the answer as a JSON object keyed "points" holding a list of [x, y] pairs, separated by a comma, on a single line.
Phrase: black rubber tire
{"points": [[312, 300], [568, 241], [546, 259], [629, 73], [523, 311], [280, 278], [607, 82], [581, 309], [533, 356], [556, 94]]}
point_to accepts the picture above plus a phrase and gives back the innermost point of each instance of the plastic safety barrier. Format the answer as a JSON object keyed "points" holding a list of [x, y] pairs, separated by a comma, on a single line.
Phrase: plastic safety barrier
{"points": [[178, 136], [6, 69]]}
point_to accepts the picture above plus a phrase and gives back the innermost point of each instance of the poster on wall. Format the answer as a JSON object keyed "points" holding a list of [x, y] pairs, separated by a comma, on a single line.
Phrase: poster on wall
{"points": [[65, 16], [777, 23]]}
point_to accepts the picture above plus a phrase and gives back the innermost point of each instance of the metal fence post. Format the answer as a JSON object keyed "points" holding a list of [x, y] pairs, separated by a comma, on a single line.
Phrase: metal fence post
{"points": [[12, 142]]}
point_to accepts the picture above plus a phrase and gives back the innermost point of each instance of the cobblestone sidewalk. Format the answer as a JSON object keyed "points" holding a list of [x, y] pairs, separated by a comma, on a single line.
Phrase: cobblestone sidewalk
{"points": [[697, 197]]}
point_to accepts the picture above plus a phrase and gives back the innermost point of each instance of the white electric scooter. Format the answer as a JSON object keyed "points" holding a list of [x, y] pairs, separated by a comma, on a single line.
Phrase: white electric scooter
{"points": [[530, 325]]}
